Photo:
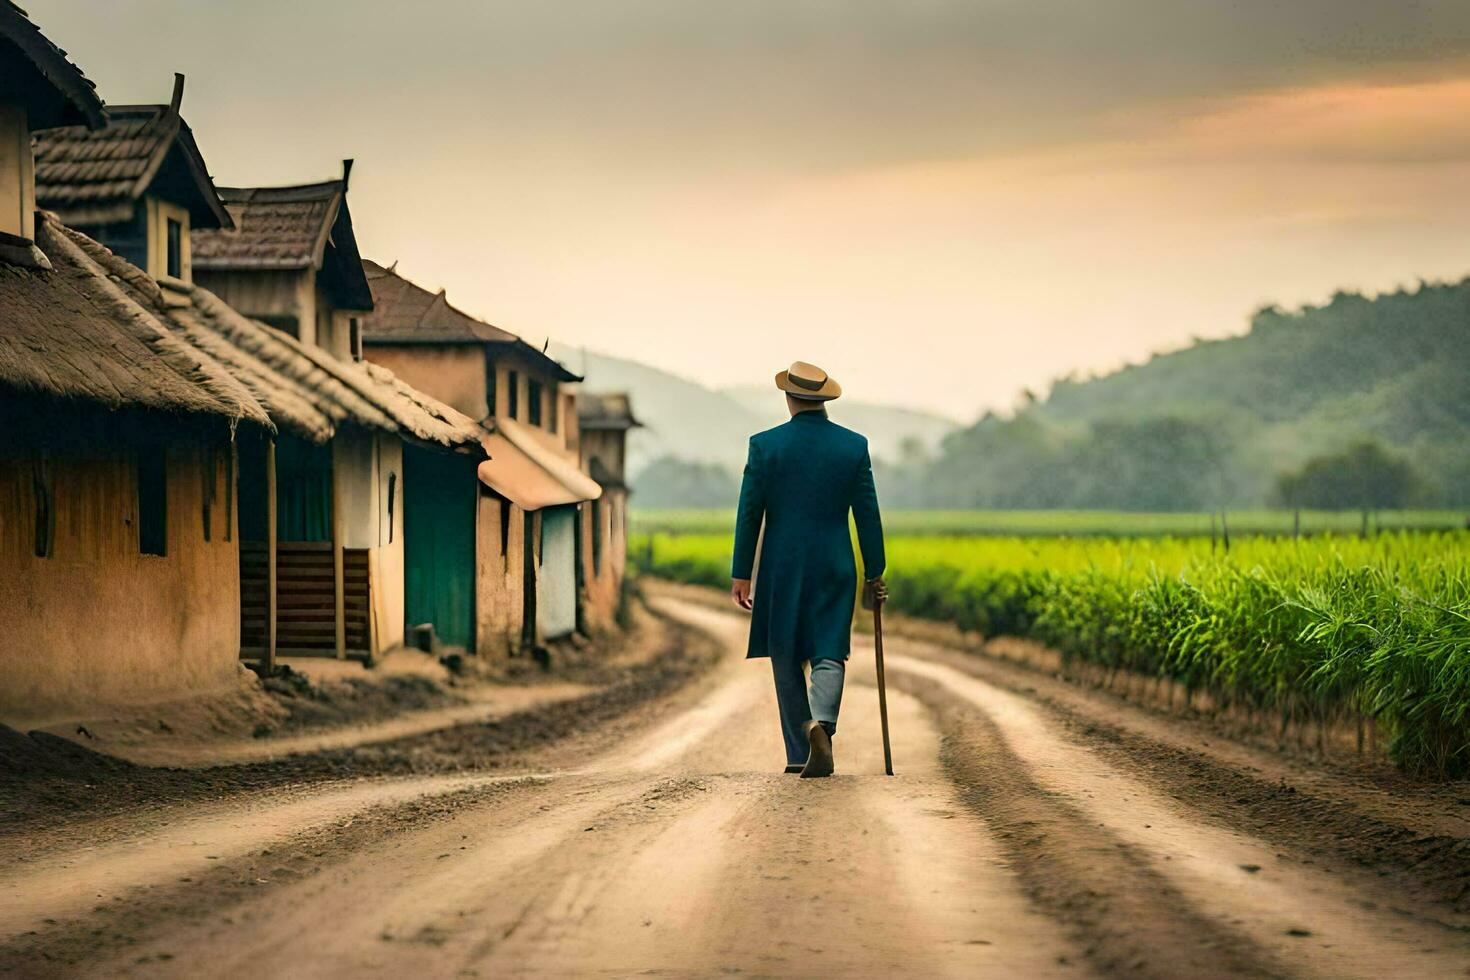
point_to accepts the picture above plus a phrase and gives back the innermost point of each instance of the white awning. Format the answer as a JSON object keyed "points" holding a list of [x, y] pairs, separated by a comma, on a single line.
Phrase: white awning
{"points": [[530, 474]]}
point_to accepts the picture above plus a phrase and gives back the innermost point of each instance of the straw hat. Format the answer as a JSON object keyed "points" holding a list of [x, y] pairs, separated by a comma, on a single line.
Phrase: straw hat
{"points": [[808, 383]]}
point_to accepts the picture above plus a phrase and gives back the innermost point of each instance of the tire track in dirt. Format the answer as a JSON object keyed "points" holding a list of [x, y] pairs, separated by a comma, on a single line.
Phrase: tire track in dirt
{"points": [[81, 888], [683, 852], [1305, 922], [45, 780], [1075, 870], [1405, 841]]}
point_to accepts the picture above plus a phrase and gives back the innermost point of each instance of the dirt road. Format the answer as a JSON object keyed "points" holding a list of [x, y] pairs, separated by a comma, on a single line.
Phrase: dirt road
{"points": [[1009, 844]]}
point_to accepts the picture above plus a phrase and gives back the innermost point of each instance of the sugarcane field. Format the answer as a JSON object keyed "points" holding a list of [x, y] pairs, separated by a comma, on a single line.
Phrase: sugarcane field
{"points": [[696, 490]]}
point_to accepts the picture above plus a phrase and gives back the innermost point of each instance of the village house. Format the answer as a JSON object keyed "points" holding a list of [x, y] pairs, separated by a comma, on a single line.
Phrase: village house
{"points": [[309, 583], [515, 578], [293, 601], [322, 512], [119, 552], [603, 423], [138, 185]]}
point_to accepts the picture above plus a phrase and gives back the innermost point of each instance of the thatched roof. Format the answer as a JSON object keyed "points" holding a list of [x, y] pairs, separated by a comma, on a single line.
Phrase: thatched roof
{"points": [[610, 410], [93, 177], [304, 388], [305, 226], [290, 406], [53, 90], [405, 313], [74, 332]]}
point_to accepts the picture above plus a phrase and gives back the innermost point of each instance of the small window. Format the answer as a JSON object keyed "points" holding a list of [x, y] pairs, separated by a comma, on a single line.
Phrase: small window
{"points": [[490, 406], [354, 337], [153, 503], [175, 266], [533, 399], [596, 537], [513, 394], [505, 532], [45, 510], [230, 492], [392, 493], [211, 484], [555, 405], [285, 323]]}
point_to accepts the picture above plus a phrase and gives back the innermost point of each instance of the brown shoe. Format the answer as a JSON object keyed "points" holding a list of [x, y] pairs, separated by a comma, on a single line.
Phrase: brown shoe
{"points": [[819, 762], [795, 767]]}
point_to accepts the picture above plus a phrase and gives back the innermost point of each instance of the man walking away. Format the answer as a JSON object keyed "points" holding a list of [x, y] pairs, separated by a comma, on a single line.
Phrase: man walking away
{"points": [[802, 478]]}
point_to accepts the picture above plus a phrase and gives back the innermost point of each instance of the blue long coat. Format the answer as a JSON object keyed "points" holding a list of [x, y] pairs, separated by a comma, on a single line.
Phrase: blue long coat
{"points": [[803, 477]]}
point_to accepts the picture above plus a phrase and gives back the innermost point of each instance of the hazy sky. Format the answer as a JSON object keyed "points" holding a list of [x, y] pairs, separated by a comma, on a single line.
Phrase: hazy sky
{"points": [[941, 202]]}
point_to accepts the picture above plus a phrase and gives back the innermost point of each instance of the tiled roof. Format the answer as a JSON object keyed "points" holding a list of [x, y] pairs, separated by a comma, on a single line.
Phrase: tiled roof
{"points": [[305, 226], [275, 227], [610, 410], [91, 177], [74, 331], [55, 91], [407, 313], [403, 310]]}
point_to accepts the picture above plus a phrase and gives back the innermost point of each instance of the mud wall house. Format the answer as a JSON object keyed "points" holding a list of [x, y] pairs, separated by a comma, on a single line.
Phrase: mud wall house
{"points": [[322, 508], [119, 557], [494, 564], [603, 422]]}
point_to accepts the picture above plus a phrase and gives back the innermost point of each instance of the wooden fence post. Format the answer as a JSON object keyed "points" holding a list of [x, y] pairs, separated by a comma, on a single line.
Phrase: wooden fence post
{"points": [[339, 585], [270, 548]]}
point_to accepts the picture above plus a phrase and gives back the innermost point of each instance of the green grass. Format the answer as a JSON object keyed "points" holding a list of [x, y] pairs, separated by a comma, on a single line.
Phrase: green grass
{"points": [[1086, 523], [1311, 630]]}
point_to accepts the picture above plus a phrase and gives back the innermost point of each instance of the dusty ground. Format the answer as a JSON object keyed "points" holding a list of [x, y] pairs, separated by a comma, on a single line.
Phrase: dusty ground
{"points": [[1033, 830]]}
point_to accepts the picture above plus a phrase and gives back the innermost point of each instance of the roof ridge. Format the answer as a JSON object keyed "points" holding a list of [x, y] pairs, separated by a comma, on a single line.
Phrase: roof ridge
{"points": [[66, 77]]}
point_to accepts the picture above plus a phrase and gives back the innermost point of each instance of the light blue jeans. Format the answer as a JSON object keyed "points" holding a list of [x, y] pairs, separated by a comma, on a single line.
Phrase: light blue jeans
{"points": [[799, 704]]}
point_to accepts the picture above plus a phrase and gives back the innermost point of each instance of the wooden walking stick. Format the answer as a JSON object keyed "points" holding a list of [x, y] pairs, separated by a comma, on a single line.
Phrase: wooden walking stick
{"points": [[875, 596]]}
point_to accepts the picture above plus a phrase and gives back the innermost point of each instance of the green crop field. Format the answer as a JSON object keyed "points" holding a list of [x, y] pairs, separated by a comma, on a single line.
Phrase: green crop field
{"points": [[1315, 629], [1091, 523]]}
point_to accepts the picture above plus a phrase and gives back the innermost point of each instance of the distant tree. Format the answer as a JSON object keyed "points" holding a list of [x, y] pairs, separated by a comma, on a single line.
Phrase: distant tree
{"points": [[1364, 477], [673, 482], [912, 453], [1161, 463]]}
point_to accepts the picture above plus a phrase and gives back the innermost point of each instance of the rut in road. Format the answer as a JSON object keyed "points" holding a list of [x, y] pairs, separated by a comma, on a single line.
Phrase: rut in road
{"points": [[1000, 849]]}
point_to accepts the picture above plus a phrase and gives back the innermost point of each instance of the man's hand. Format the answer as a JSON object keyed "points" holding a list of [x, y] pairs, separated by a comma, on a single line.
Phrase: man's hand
{"points": [[878, 590], [740, 593]]}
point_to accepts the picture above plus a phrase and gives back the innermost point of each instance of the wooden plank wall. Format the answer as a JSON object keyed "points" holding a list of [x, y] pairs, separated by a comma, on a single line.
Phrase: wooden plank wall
{"points": [[305, 598]]}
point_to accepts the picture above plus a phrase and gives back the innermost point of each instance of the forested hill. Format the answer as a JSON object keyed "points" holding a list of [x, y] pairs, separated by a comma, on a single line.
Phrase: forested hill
{"points": [[1223, 421], [693, 443]]}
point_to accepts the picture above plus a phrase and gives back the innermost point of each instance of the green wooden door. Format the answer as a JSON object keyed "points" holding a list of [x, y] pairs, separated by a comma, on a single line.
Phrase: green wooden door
{"points": [[440, 493]]}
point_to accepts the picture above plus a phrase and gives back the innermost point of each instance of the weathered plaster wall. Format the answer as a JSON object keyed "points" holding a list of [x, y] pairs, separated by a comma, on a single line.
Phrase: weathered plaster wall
{"points": [[158, 213], [97, 624], [607, 445], [388, 557], [453, 374], [499, 576], [602, 581], [366, 462], [17, 179]]}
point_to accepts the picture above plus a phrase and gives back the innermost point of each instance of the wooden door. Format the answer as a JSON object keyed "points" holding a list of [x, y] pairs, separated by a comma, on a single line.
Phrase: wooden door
{"points": [[440, 494], [556, 605]]}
